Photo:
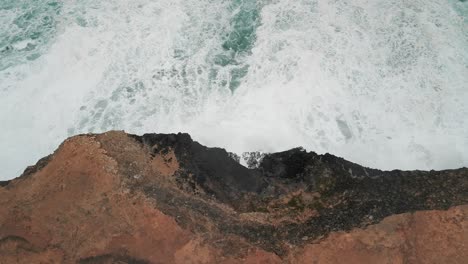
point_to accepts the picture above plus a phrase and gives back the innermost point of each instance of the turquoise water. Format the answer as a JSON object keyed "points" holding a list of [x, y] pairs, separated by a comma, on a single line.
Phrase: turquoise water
{"points": [[239, 41], [27, 29], [382, 83]]}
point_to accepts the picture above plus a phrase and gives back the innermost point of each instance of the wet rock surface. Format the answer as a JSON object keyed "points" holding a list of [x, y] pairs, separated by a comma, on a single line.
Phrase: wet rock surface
{"points": [[164, 198]]}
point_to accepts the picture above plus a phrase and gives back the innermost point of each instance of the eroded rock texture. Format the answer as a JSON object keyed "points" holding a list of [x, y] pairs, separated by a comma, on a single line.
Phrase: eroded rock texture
{"points": [[118, 198]]}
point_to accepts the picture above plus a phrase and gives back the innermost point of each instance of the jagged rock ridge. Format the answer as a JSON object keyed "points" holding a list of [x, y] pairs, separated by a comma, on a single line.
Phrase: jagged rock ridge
{"points": [[161, 198]]}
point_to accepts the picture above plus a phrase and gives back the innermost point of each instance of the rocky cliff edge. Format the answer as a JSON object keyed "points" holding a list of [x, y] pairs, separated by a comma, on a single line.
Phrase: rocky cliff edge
{"points": [[164, 198]]}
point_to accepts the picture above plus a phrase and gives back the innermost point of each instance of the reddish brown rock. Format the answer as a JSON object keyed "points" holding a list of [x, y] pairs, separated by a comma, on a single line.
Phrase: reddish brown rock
{"points": [[118, 198], [421, 237]]}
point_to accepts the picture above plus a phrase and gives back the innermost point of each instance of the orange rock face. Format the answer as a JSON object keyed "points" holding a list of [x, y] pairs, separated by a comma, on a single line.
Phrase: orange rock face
{"points": [[421, 237], [111, 199]]}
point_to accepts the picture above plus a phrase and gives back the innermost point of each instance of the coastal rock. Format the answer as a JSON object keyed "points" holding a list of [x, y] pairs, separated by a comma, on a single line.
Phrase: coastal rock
{"points": [[164, 198]]}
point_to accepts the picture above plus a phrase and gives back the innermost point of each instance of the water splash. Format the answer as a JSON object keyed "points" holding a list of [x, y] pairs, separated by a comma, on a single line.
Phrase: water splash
{"points": [[382, 83], [26, 30]]}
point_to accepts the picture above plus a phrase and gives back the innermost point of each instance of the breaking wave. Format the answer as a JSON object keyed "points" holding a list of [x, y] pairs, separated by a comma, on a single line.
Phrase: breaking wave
{"points": [[383, 83]]}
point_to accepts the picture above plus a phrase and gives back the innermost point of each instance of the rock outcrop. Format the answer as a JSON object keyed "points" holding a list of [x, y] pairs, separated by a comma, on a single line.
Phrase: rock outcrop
{"points": [[118, 198]]}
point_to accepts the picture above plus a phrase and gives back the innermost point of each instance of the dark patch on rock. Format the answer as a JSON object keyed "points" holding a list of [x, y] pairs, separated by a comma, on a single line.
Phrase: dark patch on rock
{"points": [[344, 195], [37, 167], [234, 156], [212, 169], [29, 170], [4, 183], [20, 243], [111, 258]]}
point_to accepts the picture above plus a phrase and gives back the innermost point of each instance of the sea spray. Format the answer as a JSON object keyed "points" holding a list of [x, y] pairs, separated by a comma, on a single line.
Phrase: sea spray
{"points": [[382, 83]]}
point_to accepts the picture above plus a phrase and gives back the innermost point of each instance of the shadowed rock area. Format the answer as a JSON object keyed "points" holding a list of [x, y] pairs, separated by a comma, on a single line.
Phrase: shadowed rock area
{"points": [[164, 198]]}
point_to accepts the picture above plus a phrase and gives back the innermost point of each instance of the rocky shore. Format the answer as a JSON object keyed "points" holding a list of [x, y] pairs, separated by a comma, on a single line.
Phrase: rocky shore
{"points": [[164, 198]]}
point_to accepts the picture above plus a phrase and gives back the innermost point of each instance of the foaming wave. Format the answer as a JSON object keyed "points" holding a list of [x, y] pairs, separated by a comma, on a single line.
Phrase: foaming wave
{"points": [[382, 83]]}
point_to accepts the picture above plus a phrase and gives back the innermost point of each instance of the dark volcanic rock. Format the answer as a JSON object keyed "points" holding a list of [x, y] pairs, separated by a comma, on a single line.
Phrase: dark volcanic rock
{"points": [[157, 198], [4, 183]]}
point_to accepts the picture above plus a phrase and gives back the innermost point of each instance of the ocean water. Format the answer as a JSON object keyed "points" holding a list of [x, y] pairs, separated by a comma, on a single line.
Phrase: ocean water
{"points": [[383, 83]]}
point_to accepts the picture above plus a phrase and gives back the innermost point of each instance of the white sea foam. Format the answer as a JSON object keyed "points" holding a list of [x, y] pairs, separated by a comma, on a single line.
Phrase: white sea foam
{"points": [[381, 83]]}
